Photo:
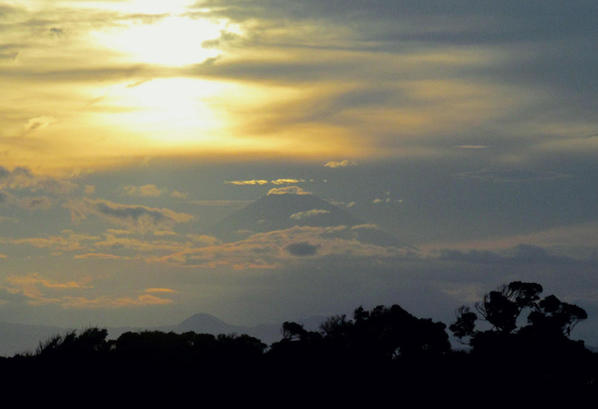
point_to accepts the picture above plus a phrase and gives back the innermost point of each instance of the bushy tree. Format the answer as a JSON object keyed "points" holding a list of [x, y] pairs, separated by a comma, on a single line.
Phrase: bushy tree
{"points": [[514, 313]]}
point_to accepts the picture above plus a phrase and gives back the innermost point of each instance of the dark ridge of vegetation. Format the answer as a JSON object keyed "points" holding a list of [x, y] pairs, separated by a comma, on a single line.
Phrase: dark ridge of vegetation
{"points": [[519, 353]]}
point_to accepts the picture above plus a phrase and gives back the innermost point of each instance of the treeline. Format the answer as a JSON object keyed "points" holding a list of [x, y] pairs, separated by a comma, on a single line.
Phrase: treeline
{"points": [[516, 352]]}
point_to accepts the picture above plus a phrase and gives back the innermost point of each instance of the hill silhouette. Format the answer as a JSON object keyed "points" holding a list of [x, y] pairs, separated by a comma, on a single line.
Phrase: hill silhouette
{"points": [[385, 356]]}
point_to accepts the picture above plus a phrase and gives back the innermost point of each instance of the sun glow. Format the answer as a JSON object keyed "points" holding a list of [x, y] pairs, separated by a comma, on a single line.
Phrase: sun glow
{"points": [[134, 6], [170, 41], [169, 112]]}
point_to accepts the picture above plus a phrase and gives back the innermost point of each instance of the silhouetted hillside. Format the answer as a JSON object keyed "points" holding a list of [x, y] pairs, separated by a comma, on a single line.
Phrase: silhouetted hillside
{"points": [[522, 356], [19, 338]]}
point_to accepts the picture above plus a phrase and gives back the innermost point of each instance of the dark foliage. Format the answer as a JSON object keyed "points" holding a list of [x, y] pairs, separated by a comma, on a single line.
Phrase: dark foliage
{"points": [[520, 354]]}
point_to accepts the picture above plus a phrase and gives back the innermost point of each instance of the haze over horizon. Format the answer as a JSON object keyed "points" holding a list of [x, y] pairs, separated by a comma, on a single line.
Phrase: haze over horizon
{"points": [[361, 152]]}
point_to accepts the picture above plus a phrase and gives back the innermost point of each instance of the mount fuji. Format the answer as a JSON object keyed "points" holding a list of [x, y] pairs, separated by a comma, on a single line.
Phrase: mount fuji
{"points": [[284, 211]]}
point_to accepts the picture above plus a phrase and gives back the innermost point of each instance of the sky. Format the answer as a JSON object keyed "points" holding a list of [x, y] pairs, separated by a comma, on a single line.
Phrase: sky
{"points": [[130, 129]]}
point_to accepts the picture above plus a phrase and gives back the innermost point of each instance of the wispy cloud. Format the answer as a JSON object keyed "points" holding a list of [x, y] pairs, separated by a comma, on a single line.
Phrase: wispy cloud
{"points": [[286, 181], [40, 122], [262, 182], [22, 178], [179, 195], [288, 190], [472, 147], [160, 291], [143, 191], [271, 250], [251, 182], [512, 175], [111, 302], [67, 241], [135, 217], [308, 213], [339, 164]]}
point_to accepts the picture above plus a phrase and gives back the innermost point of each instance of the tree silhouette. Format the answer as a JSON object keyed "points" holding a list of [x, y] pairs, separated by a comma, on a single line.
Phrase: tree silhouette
{"points": [[503, 309], [521, 355]]}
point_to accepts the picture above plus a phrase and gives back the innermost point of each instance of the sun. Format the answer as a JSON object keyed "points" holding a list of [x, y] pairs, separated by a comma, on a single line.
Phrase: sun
{"points": [[167, 41], [169, 111]]}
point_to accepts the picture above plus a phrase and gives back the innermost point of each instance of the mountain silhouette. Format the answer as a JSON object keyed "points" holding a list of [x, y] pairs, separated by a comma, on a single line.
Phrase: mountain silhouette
{"points": [[19, 338], [283, 211], [206, 323]]}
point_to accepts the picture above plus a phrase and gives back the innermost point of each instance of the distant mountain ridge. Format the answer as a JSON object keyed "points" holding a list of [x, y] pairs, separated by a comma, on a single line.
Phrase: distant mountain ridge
{"points": [[21, 338], [283, 211]]}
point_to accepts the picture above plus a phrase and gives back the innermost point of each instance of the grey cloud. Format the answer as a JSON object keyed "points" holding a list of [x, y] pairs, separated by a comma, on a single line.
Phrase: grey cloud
{"points": [[33, 203], [302, 249], [521, 254], [57, 31], [21, 178], [512, 175], [8, 55], [85, 74], [545, 44], [478, 20], [136, 217]]}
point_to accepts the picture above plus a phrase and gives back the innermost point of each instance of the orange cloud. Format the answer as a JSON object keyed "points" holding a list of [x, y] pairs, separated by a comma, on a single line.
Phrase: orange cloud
{"points": [[339, 164], [160, 290], [102, 256], [251, 182], [113, 302], [288, 190]]}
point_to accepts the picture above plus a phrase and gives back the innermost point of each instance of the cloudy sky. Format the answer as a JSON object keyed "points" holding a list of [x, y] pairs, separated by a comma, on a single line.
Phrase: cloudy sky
{"points": [[130, 129]]}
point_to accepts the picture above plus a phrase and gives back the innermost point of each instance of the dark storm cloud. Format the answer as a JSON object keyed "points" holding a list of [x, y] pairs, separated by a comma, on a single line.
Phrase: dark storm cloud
{"points": [[302, 249]]}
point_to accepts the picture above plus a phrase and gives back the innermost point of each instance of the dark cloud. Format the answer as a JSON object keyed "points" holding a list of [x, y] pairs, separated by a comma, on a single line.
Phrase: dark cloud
{"points": [[302, 249], [546, 45], [512, 175], [447, 21], [34, 203], [129, 212], [57, 31], [136, 217], [521, 254], [86, 74], [21, 178], [8, 55]]}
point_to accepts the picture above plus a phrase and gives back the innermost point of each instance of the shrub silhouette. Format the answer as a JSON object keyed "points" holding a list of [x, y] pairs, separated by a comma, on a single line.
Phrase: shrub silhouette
{"points": [[520, 352], [526, 342], [502, 309]]}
